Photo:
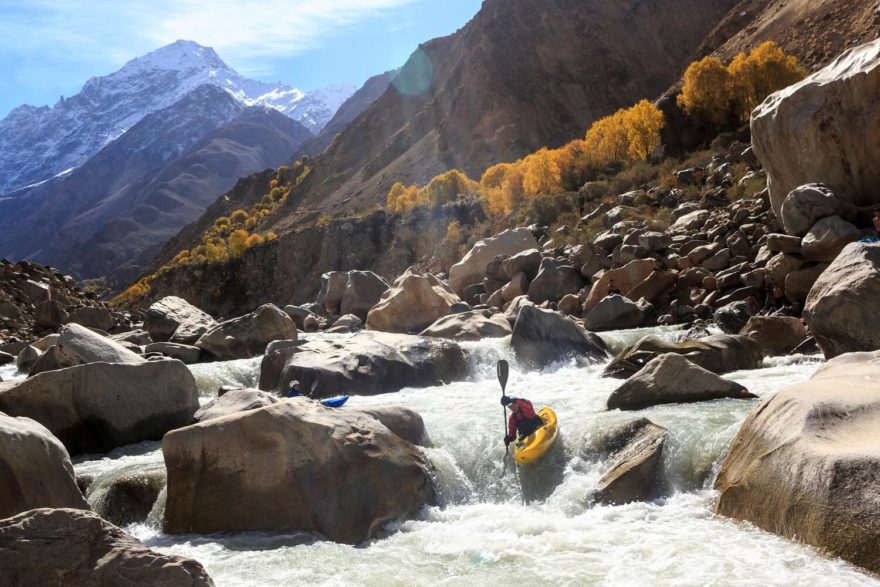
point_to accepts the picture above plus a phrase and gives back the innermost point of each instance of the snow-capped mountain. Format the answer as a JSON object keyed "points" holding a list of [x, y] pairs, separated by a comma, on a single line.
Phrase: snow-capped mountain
{"points": [[39, 143]]}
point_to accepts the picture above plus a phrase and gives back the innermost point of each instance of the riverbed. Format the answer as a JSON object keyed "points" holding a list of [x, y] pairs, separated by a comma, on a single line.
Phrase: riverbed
{"points": [[482, 533]]}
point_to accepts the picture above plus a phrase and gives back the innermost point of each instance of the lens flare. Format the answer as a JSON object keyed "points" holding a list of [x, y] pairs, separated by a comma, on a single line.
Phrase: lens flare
{"points": [[416, 76]]}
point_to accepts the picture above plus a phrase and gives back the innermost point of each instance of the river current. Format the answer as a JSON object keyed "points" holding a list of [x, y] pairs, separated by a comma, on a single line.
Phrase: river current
{"points": [[482, 533]]}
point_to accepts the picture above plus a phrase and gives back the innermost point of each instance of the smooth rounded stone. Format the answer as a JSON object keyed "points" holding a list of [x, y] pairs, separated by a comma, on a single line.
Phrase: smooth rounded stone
{"points": [[402, 421], [138, 337], [541, 337], [78, 345], [701, 253], [92, 317], [48, 361], [672, 379], [691, 221], [182, 352], [654, 287], [26, 358], [514, 307], [61, 547], [583, 254], [6, 358], [783, 243], [363, 290], [293, 466], [496, 300], [693, 277], [346, 323], [739, 244], [472, 267], [824, 129], [625, 278], [654, 241], [36, 469], [569, 305], [555, 279], [615, 312], [365, 363], [235, 400], [808, 204], [311, 323], [732, 317], [684, 209], [471, 293], [330, 295], [50, 314], [413, 302], [777, 335], [799, 283], [97, 407], [176, 320], [824, 241], [718, 261], [248, 335], [518, 286], [47, 342], [805, 462], [473, 325], [126, 495], [755, 278], [719, 353], [781, 265], [299, 315], [635, 473], [843, 307], [608, 241]]}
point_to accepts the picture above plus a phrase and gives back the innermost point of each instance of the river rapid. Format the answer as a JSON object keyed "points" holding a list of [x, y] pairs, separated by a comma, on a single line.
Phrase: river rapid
{"points": [[483, 534]]}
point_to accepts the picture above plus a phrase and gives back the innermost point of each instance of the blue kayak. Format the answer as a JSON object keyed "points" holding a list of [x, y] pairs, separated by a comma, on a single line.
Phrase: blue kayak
{"points": [[335, 401]]}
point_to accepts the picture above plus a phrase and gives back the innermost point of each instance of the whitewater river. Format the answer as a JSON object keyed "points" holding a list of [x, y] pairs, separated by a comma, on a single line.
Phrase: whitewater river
{"points": [[482, 534]]}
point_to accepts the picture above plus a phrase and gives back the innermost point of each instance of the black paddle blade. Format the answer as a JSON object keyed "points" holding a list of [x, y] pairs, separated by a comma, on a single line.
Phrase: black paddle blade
{"points": [[503, 372]]}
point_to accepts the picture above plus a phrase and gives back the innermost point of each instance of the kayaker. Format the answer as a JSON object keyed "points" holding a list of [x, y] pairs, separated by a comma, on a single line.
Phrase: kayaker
{"points": [[523, 419], [294, 390]]}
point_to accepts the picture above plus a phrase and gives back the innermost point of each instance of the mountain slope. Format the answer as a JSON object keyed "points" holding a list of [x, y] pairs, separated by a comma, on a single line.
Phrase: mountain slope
{"points": [[142, 188], [521, 75], [39, 143], [347, 112]]}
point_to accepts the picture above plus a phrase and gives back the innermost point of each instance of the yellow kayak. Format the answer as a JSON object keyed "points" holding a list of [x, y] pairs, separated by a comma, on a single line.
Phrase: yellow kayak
{"points": [[532, 447]]}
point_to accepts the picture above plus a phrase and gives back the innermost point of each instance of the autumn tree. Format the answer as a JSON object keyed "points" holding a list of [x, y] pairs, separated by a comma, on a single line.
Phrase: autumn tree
{"points": [[644, 121], [760, 73], [707, 91], [447, 187], [491, 188], [608, 139], [542, 174], [237, 243]]}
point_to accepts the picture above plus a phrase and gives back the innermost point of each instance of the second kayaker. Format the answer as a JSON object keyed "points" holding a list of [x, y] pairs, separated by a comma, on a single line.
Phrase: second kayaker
{"points": [[523, 419]]}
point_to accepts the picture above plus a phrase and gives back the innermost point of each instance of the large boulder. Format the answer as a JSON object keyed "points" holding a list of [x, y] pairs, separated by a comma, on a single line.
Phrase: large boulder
{"points": [[624, 279], [615, 313], [824, 241], [824, 129], [235, 400], [78, 345], [541, 337], [634, 473], [413, 302], [806, 461], [62, 547], [92, 317], [843, 308], [292, 466], [248, 335], [472, 268], [806, 205], [127, 494], [97, 407], [474, 325], [330, 295], [555, 279], [718, 353], [404, 422], [176, 320], [672, 379], [365, 363], [36, 469], [777, 335], [363, 290], [182, 352]]}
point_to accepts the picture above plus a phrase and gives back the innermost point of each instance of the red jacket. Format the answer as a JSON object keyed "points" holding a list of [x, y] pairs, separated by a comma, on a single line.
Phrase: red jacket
{"points": [[525, 412]]}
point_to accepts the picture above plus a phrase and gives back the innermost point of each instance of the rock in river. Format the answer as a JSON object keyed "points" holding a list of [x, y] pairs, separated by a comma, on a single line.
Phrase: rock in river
{"points": [[541, 337], [248, 335]]}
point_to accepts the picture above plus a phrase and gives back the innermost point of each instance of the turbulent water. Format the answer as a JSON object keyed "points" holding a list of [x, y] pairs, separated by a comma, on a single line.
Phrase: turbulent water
{"points": [[481, 533]]}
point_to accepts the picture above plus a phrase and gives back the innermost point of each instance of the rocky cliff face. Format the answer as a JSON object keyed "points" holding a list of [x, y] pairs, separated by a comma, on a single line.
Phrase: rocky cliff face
{"points": [[143, 187]]}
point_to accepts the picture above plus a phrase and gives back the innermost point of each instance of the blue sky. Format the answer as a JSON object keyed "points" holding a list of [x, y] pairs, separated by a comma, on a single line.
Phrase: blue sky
{"points": [[49, 48]]}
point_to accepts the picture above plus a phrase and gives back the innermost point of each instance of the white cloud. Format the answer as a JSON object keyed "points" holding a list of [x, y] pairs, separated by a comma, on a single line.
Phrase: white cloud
{"points": [[247, 33]]}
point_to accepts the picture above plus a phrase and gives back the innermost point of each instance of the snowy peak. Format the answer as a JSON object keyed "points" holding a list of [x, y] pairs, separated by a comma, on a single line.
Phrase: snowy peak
{"points": [[39, 143]]}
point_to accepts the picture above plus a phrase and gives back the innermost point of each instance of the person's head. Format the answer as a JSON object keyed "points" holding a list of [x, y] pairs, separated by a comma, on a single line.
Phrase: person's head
{"points": [[294, 385], [506, 401], [877, 213]]}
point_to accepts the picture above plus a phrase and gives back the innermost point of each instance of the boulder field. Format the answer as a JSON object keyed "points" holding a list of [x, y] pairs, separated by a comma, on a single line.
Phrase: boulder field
{"points": [[806, 461], [294, 465]]}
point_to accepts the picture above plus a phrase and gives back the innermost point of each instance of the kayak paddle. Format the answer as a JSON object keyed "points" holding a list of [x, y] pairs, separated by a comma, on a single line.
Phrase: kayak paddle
{"points": [[503, 370]]}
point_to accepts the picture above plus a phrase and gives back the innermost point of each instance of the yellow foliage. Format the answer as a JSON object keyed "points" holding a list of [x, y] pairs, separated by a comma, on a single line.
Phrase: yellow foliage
{"points": [[239, 216], [250, 223], [643, 124], [447, 187], [542, 173], [253, 240], [492, 188], [323, 220], [270, 236], [453, 232], [707, 91], [401, 198], [608, 138], [237, 243], [760, 73]]}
